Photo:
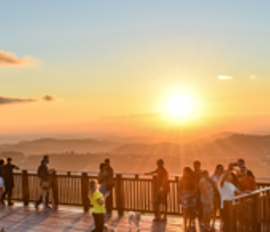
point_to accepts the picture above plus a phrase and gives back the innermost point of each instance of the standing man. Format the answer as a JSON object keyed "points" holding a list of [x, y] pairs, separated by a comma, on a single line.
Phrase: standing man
{"points": [[198, 175], [109, 186], [9, 181], [241, 163], [162, 189], [246, 182]]}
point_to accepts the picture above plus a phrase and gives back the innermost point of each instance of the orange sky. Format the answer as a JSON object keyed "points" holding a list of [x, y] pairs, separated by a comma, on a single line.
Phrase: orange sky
{"points": [[113, 70]]}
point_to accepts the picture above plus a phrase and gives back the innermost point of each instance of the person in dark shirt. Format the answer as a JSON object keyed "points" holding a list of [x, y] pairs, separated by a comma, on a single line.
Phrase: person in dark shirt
{"points": [[2, 182], [198, 175], [162, 188], [246, 182], [43, 175], [109, 186], [9, 181], [242, 163]]}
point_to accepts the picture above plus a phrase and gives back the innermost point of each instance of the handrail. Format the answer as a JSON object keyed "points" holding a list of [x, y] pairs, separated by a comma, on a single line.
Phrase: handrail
{"points": [[126, 173], [245, 195]]}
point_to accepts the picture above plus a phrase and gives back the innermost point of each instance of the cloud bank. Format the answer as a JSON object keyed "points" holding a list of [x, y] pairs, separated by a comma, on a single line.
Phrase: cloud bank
{"points": [[4, 100], [10, 100], [9, 59]]}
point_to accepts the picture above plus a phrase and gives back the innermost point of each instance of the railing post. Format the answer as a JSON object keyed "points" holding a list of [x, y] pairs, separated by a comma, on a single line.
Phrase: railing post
{"points": [[25, 188], [55, 188], [177, 200], [256, 213], [119, 195], [228, 220], [154, 190], [84, 191]]}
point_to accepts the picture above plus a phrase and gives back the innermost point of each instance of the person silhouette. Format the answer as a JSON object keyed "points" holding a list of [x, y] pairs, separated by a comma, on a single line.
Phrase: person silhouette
{"points": [[9, 181]]}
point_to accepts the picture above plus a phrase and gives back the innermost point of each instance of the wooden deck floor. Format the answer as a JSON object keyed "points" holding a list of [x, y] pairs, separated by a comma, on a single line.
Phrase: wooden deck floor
{"points": [[71, 219]]}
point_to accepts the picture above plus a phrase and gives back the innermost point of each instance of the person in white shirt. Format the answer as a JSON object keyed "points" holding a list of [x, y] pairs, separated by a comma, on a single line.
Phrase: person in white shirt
{"points": [[227, 189], [216, 177]]}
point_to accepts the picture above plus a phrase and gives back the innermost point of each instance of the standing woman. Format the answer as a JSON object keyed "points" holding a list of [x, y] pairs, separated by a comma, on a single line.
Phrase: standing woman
{"points": [[46, 183], [216, 177], [207, 199], [2, 183], [187, 195], [98, 210]]}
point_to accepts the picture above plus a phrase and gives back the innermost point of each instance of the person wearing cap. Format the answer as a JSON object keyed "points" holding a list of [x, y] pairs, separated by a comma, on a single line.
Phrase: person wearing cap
{"points": [[9, 181]]}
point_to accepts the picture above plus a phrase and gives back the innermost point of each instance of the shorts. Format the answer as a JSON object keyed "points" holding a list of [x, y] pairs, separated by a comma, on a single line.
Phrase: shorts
{"points": [[2, 182], [161, 198]]}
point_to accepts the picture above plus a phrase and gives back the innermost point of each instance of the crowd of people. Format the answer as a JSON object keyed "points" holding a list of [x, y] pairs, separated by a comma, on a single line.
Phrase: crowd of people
{"points": [[203, 195], [200, 194]]}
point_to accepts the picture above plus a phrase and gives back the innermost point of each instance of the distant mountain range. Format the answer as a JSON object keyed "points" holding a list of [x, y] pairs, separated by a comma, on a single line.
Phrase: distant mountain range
{"points": [[140, 154], [221, 144], [50, 145]]}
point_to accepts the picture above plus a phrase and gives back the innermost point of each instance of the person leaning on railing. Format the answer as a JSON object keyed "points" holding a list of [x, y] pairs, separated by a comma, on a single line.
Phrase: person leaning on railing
{"points": [[162, 189], [2, 182], [9, 181]]}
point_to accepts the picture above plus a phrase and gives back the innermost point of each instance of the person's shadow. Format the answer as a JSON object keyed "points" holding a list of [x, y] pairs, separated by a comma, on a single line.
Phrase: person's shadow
{"points": [[158, 226]]}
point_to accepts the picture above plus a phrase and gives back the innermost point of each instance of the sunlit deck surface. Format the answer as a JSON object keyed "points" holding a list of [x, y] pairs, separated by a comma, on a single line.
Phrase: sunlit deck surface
{"points": [[68, 219]]}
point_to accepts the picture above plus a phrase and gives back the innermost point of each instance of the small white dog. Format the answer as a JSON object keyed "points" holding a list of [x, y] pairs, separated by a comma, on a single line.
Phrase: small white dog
{"points": [[134, 219]]}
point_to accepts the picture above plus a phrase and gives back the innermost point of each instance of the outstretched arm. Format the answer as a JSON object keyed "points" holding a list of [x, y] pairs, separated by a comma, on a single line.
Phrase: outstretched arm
{"points": [[225, 175], [150, 173]]}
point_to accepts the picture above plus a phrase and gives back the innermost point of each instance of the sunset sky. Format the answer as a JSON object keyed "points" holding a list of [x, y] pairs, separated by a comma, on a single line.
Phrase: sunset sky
{"points": [[113, 66]]}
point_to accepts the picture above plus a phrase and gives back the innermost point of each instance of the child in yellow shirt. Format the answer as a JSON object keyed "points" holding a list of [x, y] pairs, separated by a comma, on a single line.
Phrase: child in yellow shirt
{"points": [[98, 210]]}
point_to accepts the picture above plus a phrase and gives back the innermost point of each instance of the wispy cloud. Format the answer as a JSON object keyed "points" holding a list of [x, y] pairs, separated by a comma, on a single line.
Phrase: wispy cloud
{"points": [[48, 98], [9, 59], [253, 77], [10, 100], [225, 77]]}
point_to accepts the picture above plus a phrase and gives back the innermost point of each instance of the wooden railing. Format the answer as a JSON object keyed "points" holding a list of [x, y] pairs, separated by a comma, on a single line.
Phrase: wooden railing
{"points": [[131, 193], [248, 213]]}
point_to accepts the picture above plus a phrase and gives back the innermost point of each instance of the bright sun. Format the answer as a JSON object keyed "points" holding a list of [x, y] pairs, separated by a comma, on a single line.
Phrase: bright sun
{"points": [[180, 106]]}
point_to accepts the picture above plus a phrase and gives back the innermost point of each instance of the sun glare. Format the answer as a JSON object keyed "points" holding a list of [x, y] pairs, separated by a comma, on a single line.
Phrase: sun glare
{"points": [[180, 106]]}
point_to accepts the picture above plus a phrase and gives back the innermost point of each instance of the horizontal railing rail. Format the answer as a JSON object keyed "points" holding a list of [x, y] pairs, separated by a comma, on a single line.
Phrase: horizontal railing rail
{"points": [[132, 192]]}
